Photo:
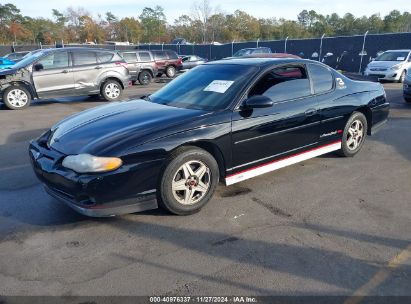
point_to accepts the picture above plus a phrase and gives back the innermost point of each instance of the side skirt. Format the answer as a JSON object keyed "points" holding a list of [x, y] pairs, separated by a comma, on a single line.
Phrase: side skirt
{"points": [[281, 163]]}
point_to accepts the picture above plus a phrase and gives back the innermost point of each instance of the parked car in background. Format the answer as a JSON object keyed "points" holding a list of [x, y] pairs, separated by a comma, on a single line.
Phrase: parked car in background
{"points": [[141, 65], [179, 41], [16, 56], [391, 65], [270, 55], [407, 86], [6, 63], [191, 61], [224, 121], [51, 73], [167, 62], [249, 51]]}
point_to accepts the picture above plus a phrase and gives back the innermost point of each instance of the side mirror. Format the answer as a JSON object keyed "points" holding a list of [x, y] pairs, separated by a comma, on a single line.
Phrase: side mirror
{"points": [[38, 67], [258, 101]]}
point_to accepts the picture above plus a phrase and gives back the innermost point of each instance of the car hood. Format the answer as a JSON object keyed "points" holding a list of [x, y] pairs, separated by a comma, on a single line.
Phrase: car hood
{"points": [[6, 71], [383, 64], [119, 125]]}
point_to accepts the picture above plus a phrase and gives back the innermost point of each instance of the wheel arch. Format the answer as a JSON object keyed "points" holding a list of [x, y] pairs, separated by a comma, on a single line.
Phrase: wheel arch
{"points": [[29, 87], [211, 148], [111, 78], [368, 115]]}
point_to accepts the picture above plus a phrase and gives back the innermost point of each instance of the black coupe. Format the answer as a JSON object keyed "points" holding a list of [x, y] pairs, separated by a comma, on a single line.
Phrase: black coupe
{"points": [[226, 121]]}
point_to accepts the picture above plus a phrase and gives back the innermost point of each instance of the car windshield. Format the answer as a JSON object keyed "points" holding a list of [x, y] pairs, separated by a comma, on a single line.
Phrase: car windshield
{"points": [[28, 60], [206, 87], [392, 56]]}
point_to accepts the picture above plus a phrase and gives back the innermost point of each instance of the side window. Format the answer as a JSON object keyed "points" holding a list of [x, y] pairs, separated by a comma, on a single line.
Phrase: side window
{"points": [[84, 58], [172, 55], [144, 56], [54, 61], [104, 57], [321, 77], [160, 56], [130, 57], [283, 83], [185, 59]]}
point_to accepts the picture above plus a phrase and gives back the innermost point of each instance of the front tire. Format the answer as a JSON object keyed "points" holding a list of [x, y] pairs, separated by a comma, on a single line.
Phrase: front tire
{"points": [[144, 78], [189, 181], [111, 90], [16, 97], [170, 71], [402, 77], [354, 135]]}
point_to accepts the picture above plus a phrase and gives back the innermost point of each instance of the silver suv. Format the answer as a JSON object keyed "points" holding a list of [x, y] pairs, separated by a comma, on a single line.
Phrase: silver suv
{"points": [[61, 72]]}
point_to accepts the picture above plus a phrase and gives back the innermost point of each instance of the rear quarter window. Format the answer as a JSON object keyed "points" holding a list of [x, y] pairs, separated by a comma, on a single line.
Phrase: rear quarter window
{"points": [[172, 55], [104, 56], [321, 78], [160, 55]]}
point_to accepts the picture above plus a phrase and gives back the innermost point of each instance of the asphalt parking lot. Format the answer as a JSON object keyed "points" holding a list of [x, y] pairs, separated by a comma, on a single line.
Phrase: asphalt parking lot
{"points": [[327, 226]]}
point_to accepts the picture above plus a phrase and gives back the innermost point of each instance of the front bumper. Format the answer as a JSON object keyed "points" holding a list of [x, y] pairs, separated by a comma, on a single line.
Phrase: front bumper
{"points": [[131, 188], [389, 75]]}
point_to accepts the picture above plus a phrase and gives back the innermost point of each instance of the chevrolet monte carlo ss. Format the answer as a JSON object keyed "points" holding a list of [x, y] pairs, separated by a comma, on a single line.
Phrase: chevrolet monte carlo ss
{"points": [[225, 121]]}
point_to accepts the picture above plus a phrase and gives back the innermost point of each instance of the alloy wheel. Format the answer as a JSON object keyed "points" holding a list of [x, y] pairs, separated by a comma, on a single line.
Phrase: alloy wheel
{"points": [[17, 98], [191, 182], [355, 135], [112, 90]]}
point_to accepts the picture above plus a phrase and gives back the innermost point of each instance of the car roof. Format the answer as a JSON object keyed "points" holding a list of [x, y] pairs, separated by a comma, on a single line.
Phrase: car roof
{"points": [[76, 48], [262, 62]]}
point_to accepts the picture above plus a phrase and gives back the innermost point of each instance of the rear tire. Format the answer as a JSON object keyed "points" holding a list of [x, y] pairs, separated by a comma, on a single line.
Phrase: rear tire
{"points": [[145, 78], [170, 71], [354, 135], [111, 90], [16, 97], [188, 182]]}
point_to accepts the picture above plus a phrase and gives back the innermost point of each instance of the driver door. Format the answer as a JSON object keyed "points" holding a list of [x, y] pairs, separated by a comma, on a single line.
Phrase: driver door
{"points": [[262, 135], [53, 76]]}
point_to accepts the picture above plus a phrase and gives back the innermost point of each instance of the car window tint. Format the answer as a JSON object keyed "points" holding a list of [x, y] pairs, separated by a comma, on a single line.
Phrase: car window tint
{"points": [[84, 58], [104, 56], [172, 55], [283, 83], [54, 61], [144, 56], [130, 57], [321, 77], [160, 56]]}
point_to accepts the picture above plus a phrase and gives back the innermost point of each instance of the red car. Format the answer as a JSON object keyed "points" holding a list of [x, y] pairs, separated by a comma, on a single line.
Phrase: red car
{"points": [[167, 62]]}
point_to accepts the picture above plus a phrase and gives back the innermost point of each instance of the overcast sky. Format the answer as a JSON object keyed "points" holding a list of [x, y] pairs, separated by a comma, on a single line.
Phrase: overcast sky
{"points": [[174, 8]]}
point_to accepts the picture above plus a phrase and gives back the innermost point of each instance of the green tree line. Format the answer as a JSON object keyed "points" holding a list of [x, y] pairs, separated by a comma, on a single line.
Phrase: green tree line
{"points": [[203, 24]]}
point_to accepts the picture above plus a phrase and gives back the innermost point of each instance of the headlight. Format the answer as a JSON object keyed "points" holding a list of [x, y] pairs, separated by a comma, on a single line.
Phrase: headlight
{"points": [[86, 163], [396, 67]]}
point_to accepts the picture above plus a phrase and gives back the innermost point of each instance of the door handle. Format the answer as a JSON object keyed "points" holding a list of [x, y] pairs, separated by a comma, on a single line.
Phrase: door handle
{"points": [[64, 71], [310, 112], [98, 67]]}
